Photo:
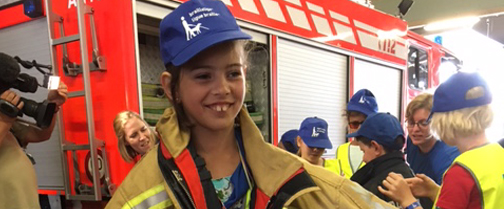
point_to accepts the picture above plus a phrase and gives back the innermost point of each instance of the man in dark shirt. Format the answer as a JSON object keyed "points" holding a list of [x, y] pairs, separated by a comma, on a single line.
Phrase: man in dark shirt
{"points": [[381, 138]]}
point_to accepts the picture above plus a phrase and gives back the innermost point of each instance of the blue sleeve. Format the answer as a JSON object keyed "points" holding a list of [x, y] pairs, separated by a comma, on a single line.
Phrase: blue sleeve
{"points": [[445, 159], [409, 150]]}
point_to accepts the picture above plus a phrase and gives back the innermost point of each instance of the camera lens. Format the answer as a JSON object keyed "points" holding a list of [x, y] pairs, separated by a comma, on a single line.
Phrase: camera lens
{"points": [[42, 112]]}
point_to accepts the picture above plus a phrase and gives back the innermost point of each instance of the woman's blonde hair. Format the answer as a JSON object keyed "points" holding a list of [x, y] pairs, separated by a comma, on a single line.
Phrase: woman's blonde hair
{"points": [[126, 151], [422, 101], [463, 122]]}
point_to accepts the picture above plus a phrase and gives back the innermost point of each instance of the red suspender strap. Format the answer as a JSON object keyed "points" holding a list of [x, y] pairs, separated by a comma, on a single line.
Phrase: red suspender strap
{"points": [[189, 171], [164, 151], [261, 199]]}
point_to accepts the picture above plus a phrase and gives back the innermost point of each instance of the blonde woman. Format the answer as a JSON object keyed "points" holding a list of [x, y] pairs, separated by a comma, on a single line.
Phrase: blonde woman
{"points": [[460, 115], [134, 135]]}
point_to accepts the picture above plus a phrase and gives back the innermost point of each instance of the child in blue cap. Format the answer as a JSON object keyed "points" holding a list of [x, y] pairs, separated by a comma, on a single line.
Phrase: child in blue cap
{"points": [[288, 141], [381, 138], [313, 140], [460, 115], [362, 104], [211, 154]]}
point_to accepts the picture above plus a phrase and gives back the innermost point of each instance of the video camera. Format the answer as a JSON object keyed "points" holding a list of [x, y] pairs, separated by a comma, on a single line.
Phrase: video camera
{"points": [[10, 77]]}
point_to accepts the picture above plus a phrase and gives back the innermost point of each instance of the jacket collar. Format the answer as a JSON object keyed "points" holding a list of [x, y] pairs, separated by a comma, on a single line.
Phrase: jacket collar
{"points": [[270, 167]]}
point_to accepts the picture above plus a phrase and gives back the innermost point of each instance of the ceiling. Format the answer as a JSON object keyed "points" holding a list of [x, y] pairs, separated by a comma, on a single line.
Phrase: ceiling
{"points": [[492, 26]]}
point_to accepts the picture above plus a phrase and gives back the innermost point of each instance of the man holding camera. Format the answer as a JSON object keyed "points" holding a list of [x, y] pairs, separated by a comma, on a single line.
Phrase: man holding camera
{"points": [[18, 181]]}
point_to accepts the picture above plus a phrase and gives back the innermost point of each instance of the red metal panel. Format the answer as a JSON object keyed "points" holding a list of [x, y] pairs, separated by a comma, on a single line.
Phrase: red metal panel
{"points": [[114, 90], [51, 192], [274, 88], [356, 18], [351, 67]]}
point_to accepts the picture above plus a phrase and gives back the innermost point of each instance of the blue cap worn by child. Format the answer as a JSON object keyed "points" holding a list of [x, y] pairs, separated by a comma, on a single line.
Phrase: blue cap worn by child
{"points": [[451, 95], [289, 137], [195, 26], [383, 128], [363, 101], [314, 133]]}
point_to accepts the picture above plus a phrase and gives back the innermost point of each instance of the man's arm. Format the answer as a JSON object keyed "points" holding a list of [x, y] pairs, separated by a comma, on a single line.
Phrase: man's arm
{"points": [[32, 134], [6, 121], [28, 133]]}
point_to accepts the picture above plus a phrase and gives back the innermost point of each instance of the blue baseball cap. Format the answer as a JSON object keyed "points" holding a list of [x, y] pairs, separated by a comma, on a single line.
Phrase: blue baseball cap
{"points": [[289, 137], [314, 133], [383, 128], [451, 95], [363, 101], [195, 26]]}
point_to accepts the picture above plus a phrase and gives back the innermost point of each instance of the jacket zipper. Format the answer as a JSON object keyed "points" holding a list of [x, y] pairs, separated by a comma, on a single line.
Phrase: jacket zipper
{"points": [[180, 180]]}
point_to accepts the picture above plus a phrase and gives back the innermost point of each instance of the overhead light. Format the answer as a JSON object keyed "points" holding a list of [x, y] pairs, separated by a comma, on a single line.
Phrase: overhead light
{"points": [[340, 36], [452, 23], [391, 34], [404, 7]]}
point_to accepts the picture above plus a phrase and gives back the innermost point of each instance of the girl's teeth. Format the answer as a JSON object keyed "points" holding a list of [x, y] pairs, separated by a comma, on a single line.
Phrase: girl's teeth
{"points": [[220, 108]]}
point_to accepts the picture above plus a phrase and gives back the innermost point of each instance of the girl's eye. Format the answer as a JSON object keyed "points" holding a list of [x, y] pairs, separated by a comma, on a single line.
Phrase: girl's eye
{"points": [[235, 74], [133, 135], [204, 76], [144, 129]]}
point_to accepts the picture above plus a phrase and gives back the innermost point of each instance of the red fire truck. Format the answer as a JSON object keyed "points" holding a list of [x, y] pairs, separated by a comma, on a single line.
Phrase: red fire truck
{"points": [[308, 58]]}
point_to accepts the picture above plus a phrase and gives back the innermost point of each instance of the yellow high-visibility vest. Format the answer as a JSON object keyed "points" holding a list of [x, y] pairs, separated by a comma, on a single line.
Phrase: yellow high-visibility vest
{"points": [[332, 165], [343, 158], [487, 169]]}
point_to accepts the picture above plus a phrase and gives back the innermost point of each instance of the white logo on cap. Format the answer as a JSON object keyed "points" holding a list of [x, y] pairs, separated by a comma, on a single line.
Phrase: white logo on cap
{"points": [[362, 100], [315, 133], [191, 30]]}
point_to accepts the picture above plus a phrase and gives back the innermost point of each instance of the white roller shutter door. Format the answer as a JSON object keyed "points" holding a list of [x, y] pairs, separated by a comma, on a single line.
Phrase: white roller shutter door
{"points": [[384, 82], [30, 41], [311, 82]]}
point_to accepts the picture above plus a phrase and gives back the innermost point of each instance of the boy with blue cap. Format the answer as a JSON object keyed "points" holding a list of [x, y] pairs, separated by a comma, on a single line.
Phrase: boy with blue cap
{"points": [[211, 154], [460, 115], [381, 138], [362, 104], [312, 140], [288, 141]]}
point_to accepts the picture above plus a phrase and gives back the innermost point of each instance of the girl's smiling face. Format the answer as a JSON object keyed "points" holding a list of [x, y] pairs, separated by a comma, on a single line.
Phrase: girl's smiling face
{"points": [[212, 86]]}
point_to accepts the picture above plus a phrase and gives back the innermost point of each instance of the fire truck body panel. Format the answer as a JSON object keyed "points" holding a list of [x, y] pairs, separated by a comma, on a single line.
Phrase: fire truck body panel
{"points": [[312, 56]]}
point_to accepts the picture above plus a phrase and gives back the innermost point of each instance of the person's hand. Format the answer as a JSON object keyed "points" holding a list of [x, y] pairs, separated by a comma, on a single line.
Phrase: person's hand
{"points": [[423, 186], [58, 96], [397, 189], [12, 98]]}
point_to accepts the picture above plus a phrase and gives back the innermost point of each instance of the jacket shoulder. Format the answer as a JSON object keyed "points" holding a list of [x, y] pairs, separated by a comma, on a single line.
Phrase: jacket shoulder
{"points": [[144, 177], [336, 192]]}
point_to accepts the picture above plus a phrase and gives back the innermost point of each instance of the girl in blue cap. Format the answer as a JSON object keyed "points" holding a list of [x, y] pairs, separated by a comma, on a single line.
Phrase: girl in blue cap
{"points": [[460, 115], [211, 154]]}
